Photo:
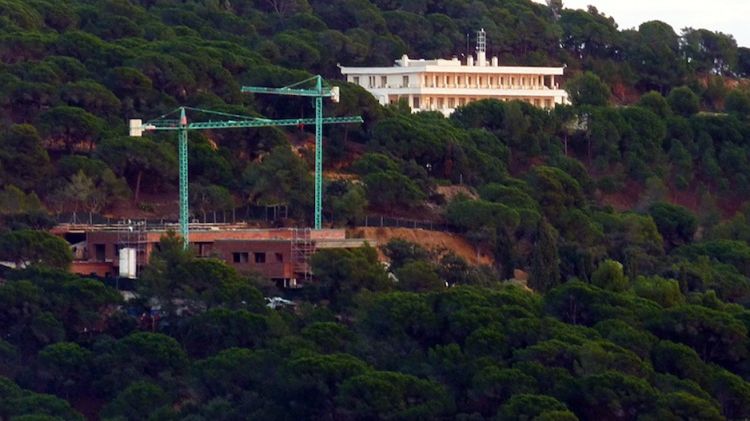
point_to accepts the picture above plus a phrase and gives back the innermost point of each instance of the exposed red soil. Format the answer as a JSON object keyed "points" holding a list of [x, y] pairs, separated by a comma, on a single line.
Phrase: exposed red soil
{"points": [[625, 199], [430, 240], [450, 192]]}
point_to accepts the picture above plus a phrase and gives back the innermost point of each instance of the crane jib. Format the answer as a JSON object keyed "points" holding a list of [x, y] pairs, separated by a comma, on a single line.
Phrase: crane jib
{"points": [[326, 92], [234, 121], [174, 125]]}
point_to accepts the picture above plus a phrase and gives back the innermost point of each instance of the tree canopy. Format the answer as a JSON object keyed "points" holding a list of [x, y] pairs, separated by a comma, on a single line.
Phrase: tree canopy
{"points": [[615, 230]]}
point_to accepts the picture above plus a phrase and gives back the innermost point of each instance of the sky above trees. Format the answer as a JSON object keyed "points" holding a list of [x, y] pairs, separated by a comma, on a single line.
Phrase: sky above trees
{"points": [[728, 16]]}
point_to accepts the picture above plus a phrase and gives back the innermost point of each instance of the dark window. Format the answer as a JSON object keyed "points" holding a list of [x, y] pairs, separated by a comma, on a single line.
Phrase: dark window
{"points": [[100, 252], [240, 257], [260, 257], [203, 249], [279, 258]]}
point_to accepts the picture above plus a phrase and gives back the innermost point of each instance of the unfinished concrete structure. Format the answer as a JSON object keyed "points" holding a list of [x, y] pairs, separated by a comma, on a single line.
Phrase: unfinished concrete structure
{"points": [[280, 254]]}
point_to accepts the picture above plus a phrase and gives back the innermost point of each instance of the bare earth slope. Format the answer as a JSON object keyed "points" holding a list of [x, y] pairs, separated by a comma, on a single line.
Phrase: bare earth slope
{"points": [[431, 240]]}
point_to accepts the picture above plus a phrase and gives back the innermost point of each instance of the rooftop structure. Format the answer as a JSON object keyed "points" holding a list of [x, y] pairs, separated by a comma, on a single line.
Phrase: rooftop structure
{"points": [[443, 85]]}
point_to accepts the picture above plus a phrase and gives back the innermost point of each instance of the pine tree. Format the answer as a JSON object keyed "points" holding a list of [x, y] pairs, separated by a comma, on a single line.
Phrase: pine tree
{"points": [[545, 260]]}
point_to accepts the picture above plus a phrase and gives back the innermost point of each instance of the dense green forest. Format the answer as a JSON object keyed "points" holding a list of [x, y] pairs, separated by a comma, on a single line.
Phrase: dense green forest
{"points": [[627, 210], [73, 72]]}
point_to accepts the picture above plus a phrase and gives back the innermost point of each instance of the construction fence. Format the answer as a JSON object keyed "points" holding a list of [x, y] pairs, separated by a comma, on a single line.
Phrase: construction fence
{"points": [[252, 215], [233, 216], [391, 222]]}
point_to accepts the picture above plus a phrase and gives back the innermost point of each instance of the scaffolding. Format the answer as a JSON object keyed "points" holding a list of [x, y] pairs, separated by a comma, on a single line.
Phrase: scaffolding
{"points": [[303, 247], [133, 234]]}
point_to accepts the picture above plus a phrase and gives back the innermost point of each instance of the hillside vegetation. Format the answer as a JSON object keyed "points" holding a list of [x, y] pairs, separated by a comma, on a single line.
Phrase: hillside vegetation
{"points": [[639, 312], [73, 72]]}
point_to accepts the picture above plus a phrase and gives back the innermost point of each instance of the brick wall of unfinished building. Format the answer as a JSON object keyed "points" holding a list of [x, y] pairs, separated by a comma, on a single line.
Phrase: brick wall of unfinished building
{"points": [[269, 234], [270, 258], [102, 247]]}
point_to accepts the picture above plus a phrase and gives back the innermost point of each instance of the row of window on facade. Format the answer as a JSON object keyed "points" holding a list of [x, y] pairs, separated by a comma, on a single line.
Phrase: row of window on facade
{"points": [[476, 81], [100, 255], [440, 103], [447, 81], [259, 257], [383, 81]]}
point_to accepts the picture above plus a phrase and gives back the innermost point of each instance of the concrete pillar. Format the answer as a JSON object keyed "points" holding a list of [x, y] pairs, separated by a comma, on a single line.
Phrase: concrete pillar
{"points": [[481, 58], [411, 101], [552, 81]]}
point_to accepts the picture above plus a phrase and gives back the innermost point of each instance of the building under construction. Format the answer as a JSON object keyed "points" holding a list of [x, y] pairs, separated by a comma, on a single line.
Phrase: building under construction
{"points": [[280, 254]]}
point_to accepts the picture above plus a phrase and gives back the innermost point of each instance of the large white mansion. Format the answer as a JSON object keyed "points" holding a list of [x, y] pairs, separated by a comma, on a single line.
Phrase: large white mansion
{"points": [[443, 85]]}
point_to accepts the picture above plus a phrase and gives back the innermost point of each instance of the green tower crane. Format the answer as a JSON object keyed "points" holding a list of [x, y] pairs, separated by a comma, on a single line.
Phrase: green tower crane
{"points": [[318, 92], [230, 121]]}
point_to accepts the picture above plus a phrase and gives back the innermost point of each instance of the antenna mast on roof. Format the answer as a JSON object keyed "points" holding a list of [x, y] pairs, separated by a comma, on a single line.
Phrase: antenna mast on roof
{"points": [[481, 48]]}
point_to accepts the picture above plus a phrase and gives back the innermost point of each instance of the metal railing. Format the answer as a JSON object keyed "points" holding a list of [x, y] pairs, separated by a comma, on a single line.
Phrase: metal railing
{"points": [[394, 222], [244, 215], [233, 216]]}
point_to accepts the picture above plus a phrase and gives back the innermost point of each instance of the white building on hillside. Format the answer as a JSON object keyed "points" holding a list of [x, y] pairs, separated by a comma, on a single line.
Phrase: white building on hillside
{"points": [[444, 85]]}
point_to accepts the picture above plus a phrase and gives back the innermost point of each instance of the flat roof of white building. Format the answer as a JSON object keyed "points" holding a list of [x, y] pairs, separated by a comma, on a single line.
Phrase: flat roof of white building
{"points": [[407, 65]]}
